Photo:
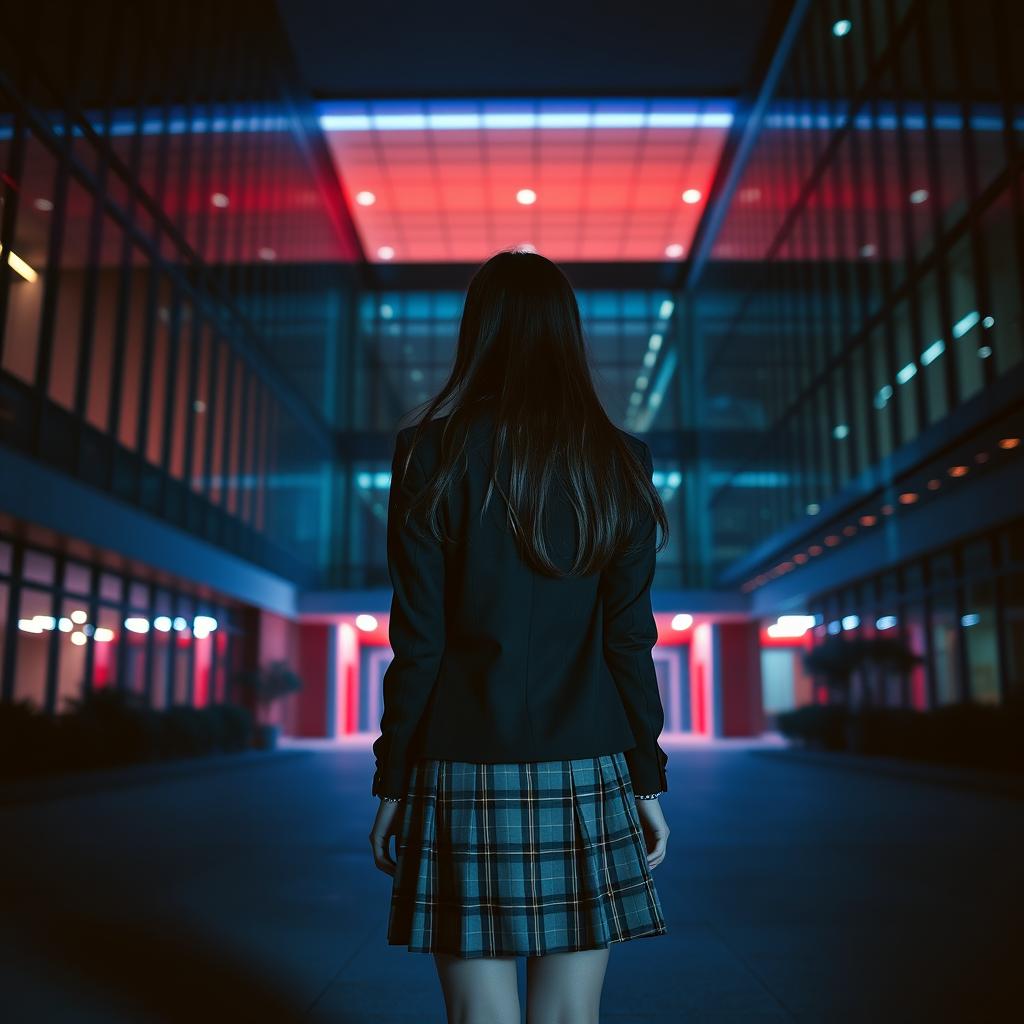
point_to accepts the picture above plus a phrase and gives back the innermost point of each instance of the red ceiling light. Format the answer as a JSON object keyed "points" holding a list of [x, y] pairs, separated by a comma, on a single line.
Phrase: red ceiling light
{"points": [[832, 540], [908, 498], [958, 470], [887, 510], [934, 484], [815, 549], [800, 558], [981, 457], [849, 529], [609, 170], [868, 520], [1009, 443]]}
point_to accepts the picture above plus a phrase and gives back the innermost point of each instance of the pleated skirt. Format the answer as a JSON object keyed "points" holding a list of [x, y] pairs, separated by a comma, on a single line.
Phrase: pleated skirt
{"points": [[521, 859]]}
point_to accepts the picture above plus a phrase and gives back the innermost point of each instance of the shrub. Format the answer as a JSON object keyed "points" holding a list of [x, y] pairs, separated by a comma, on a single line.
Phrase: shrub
{"points": [[818, 725], [109, 727]]}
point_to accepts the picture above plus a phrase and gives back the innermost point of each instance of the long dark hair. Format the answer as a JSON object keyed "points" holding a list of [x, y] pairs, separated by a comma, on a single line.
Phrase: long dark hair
{"points": [[521, 351]]}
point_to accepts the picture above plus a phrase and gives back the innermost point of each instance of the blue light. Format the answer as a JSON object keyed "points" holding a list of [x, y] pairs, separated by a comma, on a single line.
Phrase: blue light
{"points": [[962, 326], [932, 352]]}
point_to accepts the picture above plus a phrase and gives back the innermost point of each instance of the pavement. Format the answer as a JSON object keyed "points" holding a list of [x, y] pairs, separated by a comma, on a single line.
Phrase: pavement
{"points": [[245, 892]]}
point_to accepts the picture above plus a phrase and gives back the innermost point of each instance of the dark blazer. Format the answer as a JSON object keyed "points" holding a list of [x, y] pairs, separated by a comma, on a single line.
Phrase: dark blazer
{"points": [[494, 662]]}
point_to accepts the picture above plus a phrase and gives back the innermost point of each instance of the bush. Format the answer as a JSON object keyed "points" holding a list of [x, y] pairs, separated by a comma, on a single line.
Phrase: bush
{"points": [[109, 727], [966, 734], [27, 739], [816, 725]]}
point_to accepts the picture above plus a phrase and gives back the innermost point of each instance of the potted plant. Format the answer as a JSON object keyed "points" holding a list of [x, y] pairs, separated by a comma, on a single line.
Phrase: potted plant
{"points": [[264, 685]]}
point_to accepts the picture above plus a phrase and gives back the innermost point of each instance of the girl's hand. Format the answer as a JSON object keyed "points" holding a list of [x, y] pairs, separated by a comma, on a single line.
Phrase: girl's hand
{"points": [[655, 830], [385, 825]]}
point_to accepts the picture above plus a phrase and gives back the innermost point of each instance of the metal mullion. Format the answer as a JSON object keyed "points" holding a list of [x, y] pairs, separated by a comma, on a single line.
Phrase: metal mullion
{"points": [[217, 345], [979, 253], [56, 609], [826, 301], [90, 647], [125, 271], [839, 223], [252, 433], [11, 176], [243, 420], [863, 290], [170, 389], [152, 287], [910, 251], [51, 284], [946, 318], [875, 148], [122, 646], [147, 669], [225, 459], [8, 663], [87, 327], [171, 654]]}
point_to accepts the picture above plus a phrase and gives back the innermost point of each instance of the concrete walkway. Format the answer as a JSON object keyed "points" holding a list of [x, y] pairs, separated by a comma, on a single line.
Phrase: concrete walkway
{"points": [[792, 891]]}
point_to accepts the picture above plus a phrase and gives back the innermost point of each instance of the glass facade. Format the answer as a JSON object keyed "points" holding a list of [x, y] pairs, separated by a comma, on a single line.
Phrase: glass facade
{"points": [[69, 626], [191, 328], [866, 281], [162, 217], [855, 339], [958, 609]]}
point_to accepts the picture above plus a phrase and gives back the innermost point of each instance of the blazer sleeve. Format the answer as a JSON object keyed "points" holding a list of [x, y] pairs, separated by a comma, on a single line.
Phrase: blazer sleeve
{"points": [[416, 629], [630, 633]]}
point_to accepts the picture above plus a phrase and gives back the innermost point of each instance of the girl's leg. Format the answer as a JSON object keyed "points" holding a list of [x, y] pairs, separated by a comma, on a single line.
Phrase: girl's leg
{"points": [[565, 988], [480, 990]]}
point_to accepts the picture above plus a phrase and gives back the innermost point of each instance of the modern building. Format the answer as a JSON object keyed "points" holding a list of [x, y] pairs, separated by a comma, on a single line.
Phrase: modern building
{"points": [[234, 255]]}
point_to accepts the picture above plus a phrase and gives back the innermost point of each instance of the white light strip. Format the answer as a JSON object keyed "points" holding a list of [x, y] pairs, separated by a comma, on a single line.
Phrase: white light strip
{"points": [[524, 120], [19, 266]]}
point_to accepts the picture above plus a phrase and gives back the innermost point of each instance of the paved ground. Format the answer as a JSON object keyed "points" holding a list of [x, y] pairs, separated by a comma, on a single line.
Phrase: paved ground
{"points": [[793, 892]]}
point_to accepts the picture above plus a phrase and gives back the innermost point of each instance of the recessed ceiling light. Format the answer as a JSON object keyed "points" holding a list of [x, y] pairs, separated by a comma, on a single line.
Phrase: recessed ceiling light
{"points": [[691, 196], [919, 196], [365, 198], [842, 27], [526, 196], [43, 205], [385, 252], [219, 200], [267, 254], [869, 250], [674, 251], [750, 194]]}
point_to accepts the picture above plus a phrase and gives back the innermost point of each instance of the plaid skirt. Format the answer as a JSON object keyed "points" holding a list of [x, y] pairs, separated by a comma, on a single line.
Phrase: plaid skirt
{"points": [[520, 859]]}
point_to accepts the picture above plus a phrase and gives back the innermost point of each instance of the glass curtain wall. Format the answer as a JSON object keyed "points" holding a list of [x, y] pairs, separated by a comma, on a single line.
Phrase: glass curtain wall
{"points": [[165, 195], [867, 279]]}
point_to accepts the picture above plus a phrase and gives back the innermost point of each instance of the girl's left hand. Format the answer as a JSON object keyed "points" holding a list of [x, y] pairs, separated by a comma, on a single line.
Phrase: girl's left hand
{"points": [[385, 825]]}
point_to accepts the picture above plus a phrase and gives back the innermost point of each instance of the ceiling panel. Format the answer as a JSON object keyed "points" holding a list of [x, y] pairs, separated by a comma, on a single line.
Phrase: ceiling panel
{"points": [[608, 175]]}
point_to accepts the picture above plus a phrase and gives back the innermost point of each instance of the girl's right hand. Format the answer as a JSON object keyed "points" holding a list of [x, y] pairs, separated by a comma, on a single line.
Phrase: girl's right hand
{"points": [[655, 830]]}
